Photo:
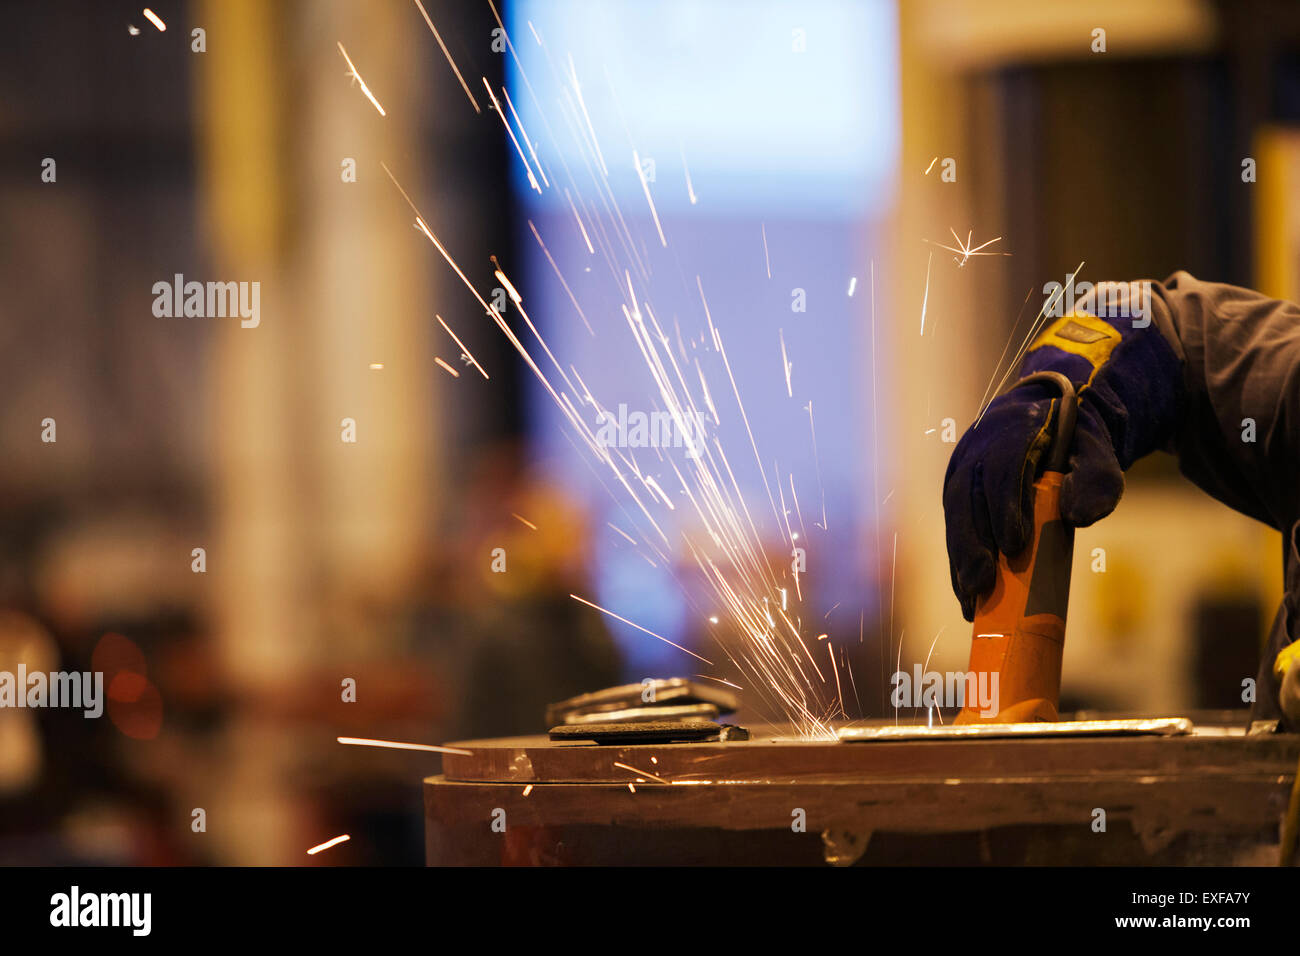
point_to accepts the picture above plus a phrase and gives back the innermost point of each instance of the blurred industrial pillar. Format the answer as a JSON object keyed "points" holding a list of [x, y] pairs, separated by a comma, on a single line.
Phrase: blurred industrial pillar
{"points": [[945, 367], [316, 536]]}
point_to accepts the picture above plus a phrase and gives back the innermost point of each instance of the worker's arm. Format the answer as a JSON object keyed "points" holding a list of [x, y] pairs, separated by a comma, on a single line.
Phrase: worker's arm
{"points": [[1200, 370], [1238, 436]]}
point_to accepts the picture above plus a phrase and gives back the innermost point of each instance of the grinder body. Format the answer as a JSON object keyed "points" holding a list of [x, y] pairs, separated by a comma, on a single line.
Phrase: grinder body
{"points": [[1019, 630]]}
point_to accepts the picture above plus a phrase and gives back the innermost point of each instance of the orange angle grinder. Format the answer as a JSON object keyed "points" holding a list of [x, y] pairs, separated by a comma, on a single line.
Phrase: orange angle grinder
{"points": [[1019, 629]]}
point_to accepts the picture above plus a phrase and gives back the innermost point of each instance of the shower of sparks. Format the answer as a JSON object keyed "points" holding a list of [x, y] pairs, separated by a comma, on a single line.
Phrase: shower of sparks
{"points": [[965, 250], [638, 627], [434, 30], [465, 353], [523, 520], [720, 537], [353, 74], [155, 20], [329, 843], [767, 259], [450, 371], [640, 773], [398, 745], [830, 649]]}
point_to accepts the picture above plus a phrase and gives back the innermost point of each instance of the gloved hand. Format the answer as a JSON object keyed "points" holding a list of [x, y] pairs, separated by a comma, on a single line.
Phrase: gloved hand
{"points": [[1129, 383], [988, 490]]}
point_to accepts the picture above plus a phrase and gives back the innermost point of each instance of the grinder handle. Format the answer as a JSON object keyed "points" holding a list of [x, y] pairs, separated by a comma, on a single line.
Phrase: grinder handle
{"points": [[1019, 627]]}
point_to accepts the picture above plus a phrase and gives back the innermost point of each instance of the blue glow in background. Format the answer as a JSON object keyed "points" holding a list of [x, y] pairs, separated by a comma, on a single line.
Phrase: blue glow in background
{"points": [[803, 144]]}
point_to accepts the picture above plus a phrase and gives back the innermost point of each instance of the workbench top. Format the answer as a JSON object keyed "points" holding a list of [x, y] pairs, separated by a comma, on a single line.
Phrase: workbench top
{"points": [[1213, 796]]}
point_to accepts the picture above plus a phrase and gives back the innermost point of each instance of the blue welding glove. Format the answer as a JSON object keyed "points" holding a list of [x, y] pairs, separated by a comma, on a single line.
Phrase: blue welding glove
{"points": [[1130, 387]]}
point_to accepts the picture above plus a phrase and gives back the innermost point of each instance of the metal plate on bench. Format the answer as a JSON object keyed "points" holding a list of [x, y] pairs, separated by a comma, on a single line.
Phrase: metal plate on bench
{"points": [[1145, 727]]}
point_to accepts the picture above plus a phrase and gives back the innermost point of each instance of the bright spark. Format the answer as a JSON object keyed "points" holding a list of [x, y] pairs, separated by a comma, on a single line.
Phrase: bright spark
{"points": [[965, 250], [720, 681], [460, 345], [532, 180], [786, 364], [640, 773], [397, 745], [463, 85], [155, 20], [450, 371], [515, 297], [645, 186], [329, 843], [925, 300], [729, 550], [638, 627], [357, 76], [630, 539], [524, 520]]}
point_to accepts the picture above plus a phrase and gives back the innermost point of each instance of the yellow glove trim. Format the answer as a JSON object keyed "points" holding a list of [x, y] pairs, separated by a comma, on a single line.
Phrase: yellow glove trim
{"points": [[1287, 658], [1081, 334]]}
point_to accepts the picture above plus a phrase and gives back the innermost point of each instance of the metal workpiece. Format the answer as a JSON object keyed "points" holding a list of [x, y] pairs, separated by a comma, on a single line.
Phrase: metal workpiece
{"points": [[1210, 794], [1135, 727], [663, 697]]}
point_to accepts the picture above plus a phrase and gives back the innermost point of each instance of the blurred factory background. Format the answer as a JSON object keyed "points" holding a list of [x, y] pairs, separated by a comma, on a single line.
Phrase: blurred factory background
{"points": [[818, 148]]}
